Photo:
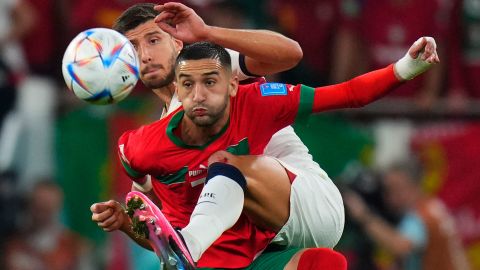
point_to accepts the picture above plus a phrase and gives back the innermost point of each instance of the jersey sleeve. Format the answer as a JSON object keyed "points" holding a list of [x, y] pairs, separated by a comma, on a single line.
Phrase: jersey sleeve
{"points": [[277, 105], [239, 68], [356, 92], [125, 153]]}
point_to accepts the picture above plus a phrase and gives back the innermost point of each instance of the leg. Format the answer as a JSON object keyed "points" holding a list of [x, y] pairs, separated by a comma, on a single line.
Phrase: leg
{"points": [[317, 258], [298, 259], [312, 204], [267, 195]]}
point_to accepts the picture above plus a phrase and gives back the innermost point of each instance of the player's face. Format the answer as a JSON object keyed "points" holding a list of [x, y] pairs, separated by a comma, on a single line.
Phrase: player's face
{"points": [[204, 87], [157, 51]]}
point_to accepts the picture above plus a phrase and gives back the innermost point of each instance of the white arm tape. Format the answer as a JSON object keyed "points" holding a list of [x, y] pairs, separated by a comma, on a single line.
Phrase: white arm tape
{"points": [[146, 187], [408, 68]]}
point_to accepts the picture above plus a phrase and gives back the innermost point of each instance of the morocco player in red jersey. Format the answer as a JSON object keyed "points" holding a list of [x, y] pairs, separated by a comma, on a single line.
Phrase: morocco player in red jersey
{"points": [[215, 116]]}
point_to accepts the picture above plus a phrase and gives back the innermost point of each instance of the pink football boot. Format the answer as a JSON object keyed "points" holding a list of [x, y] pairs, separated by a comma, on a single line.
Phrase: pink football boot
{"points": [[150, 223]]}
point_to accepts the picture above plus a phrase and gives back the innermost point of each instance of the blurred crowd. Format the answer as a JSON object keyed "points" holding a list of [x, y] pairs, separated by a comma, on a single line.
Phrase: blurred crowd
{"points": [[340, 39]]}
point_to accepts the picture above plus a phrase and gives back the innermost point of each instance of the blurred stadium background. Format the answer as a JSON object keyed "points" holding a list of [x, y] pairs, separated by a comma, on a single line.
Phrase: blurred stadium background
{"points": [[47, 134]]}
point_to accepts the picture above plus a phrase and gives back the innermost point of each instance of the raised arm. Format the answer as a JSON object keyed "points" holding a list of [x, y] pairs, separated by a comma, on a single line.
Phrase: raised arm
{"points": [[369, 87], [265, 52]]}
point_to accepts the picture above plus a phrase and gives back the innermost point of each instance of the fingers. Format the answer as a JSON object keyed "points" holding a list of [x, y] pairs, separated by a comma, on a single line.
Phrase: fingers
{"points": [[417, 47], [426, 47], [99, 207], [164, 16], [103, 210], [110, 224], [103, 215], [167, 28], [430, 52], [171, 6]]}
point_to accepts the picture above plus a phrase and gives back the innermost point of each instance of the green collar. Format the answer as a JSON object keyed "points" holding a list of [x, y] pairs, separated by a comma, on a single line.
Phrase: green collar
{"points": [[175, 121]]}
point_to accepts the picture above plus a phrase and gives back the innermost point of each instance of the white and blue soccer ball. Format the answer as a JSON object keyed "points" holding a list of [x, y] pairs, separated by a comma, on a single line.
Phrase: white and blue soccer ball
{"points": [[100, 66]]}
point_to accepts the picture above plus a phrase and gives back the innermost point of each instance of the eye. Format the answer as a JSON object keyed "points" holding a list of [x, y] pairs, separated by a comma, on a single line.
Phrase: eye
{"points": [[154, 40], [210, 82], [187, 84]]}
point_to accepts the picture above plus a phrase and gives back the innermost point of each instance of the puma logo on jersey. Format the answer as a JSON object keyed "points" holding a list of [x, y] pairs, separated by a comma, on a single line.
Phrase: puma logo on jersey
{"points": [[196, 172]]}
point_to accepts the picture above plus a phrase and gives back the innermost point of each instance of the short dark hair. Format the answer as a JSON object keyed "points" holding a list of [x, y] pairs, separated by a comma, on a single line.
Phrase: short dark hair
{"points": [[134, 16], [205, 50]]}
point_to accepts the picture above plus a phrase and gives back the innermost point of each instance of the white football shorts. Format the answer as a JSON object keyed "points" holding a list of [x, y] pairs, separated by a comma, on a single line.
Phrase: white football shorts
{"points": [[317, 214]]}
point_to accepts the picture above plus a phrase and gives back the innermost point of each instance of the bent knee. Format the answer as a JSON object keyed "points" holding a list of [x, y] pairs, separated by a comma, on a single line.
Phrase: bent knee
{"points": [[220, 156]]}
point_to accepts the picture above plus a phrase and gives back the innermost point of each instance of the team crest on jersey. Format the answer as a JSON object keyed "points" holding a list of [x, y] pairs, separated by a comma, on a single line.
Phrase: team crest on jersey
{"points": [[273, 89]]}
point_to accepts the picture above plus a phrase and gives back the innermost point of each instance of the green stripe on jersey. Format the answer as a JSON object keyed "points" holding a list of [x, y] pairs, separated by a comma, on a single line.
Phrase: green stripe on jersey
{"points": [[174, 178], [241, 148], [175, 122], [306, 104], [131, 172]]}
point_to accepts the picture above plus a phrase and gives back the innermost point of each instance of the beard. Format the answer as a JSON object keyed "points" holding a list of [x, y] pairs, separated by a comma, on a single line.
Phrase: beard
{"points": [[161, 82], [211, 117], [167, 80]]}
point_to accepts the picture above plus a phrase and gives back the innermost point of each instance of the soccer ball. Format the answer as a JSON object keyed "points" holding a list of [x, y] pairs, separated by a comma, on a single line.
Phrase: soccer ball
{"points": [[100, 66]]}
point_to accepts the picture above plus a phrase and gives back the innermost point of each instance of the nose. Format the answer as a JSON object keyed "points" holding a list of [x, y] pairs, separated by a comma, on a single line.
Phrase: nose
{"points": [[144, 55], [198, 93]]}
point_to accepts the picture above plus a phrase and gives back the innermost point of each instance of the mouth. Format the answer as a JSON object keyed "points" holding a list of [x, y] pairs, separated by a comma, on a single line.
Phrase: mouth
{"points": [[199, 111], [149, 71]]}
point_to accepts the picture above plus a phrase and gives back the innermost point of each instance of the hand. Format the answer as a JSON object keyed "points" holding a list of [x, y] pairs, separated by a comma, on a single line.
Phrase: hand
{"points": [[181, 22], [109, 216], [419, 58], [356, 207], [426, 48]]}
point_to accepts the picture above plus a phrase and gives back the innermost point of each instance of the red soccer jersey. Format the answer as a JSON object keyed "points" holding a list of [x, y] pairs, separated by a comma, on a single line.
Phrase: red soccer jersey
{"points": [[178, 170], [257, 112]]}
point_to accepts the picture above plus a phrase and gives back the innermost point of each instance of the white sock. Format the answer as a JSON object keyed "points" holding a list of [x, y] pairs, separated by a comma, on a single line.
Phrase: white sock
{"points": [[218, 208]]}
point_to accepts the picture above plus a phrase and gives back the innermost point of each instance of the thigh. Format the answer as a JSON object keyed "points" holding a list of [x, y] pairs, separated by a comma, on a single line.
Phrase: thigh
{"points": [[267, 198], [316, 213]]}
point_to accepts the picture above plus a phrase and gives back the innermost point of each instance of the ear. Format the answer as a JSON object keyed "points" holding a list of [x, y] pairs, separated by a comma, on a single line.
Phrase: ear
{"points": [[176, 90], [233, 86], [178, 44]]}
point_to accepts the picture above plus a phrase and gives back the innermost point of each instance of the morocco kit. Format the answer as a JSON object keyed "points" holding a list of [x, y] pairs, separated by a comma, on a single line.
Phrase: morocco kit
{"points": [[258, 111]]}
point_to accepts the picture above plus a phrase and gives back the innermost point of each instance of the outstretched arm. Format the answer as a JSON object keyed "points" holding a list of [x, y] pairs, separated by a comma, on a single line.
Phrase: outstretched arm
{"points": [[266, 52], [369, 87]]}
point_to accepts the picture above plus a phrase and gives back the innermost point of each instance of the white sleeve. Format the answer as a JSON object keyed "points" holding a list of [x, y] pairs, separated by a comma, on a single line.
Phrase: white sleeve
{"points": [[239, 68], [145, 187]]}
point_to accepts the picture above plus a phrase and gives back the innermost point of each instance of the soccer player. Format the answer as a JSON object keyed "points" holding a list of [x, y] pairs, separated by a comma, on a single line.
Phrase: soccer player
{"points": [[265, 52], [217, 115]]}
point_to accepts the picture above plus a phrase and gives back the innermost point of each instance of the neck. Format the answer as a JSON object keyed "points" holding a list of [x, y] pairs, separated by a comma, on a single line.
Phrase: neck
{"points": [[165, 93], [192, 134]]}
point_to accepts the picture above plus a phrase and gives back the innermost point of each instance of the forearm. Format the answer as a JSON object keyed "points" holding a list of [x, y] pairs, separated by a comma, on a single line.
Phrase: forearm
{"points": [[386, 236], [266, 51], [357, 92], [127, 229]]}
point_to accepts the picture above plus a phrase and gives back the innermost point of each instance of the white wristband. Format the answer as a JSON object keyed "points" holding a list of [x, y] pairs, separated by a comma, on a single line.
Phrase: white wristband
{"points": [[408, 68], [146, 187]]}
